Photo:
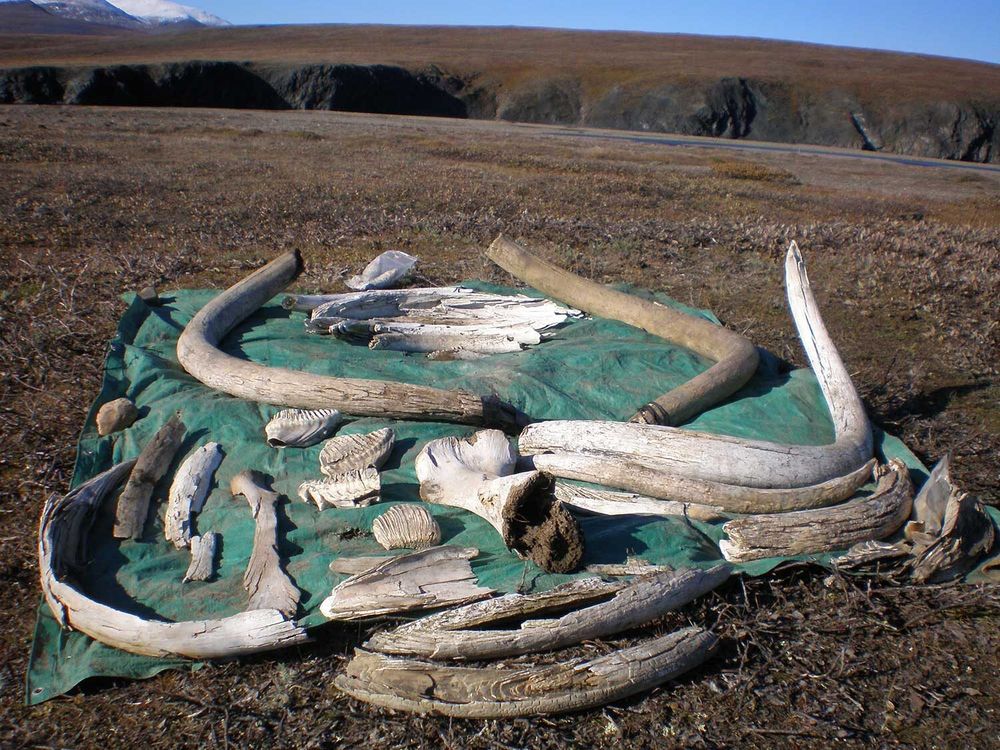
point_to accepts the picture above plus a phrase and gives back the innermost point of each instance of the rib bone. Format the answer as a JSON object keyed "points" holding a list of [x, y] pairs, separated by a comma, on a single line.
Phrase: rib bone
{"points": [[731, 460]]}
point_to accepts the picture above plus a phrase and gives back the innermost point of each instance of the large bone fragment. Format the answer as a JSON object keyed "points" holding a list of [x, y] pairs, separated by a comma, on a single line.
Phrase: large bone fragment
{"points": [[731, 460], [608, 503], [475, 474], [468, 692], [649, 479], [434, 577], [600, 609], [115, 415], [735, 356], [188, 492], [199, 353], [152, 464], [387, 269], [826, 529], [202, 565], [62, 538], [265, 579]]}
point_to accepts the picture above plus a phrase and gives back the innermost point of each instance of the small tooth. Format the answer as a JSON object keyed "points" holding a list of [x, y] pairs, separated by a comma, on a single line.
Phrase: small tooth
{"points": [[352, 489], [351, 452], [406, 526], [298, 428]]}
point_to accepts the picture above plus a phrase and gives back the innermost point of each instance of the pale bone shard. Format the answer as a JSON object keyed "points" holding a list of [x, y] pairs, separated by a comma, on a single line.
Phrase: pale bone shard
{"points": [[608, 503], [872, 551], [352, 489], [198, 352], [959, 534], [202, 566], [406, 526], [434, 577], [188, 492], [300, 428], [826, 529], [633, 566], [475, 474], [467, 692], [600, 609], [479, 342], [648, 479], [115, 415], [265, 578], [387, 269], [351, 452], [62, 556], [152, 464], [731, 460], [735, 356], [350, 566]]}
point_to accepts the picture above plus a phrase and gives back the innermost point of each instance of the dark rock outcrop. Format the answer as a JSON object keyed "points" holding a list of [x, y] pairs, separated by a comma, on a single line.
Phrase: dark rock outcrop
{"points": [[727, 108]]}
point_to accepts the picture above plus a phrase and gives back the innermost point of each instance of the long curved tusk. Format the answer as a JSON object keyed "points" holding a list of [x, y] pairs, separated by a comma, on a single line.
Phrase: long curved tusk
{"points": [[62, 538], [813, 531], [198, 352], [701, 498], [735, 356], [731, 460]]}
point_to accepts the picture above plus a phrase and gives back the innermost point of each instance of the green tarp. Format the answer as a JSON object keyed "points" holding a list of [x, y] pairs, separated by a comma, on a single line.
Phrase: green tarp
{"points": [[592, 369]]}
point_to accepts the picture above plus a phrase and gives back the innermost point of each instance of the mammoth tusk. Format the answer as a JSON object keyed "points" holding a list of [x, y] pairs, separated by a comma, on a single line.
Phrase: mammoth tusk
{"points": [[699, 497], [600, 609], [735, 356], [468, 692], [198, 352], [731, 460], [62, 538], [607, 503], [475, 474], [827, 529], [265, 579]]}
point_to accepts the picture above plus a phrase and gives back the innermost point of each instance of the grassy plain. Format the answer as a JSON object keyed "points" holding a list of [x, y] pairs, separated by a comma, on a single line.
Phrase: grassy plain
{"points": [[905, 260]]}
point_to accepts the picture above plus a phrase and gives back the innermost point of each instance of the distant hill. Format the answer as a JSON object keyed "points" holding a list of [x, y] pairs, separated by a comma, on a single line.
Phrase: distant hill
{"points": [[93, 17], [696, 85], [27, 18]]}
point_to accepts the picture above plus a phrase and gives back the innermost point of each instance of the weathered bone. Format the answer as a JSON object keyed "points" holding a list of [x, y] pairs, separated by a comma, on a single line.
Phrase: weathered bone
{"points": [[62, 558], [115, 415], [300, 428], [475, 474], [648, 479], [735, 356], [607, 503], [387, 269], [188, 492], [352, 452], [202, 565], [731, 460], [427, 687], [826, 529], [265, 579], [152, 464], [434, 577], [198, 352], [600, 609], [633, 566], [352, 489], [406, 526]]}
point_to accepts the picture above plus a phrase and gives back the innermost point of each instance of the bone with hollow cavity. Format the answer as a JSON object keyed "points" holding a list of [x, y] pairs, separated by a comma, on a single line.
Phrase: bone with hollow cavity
{"points": [[476, 474], [188, 492], [351, 489], [731, 460]]}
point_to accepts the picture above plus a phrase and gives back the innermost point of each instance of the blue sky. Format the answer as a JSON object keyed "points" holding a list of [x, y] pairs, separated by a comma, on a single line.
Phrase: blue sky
{"points": [[961, 28]]}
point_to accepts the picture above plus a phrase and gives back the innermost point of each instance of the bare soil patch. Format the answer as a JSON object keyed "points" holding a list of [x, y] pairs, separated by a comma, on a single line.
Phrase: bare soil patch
{"points": [[905, 261]]}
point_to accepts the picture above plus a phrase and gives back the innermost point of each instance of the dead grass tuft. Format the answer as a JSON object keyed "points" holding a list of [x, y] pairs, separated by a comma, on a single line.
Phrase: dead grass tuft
{"points": [[734, 169]]}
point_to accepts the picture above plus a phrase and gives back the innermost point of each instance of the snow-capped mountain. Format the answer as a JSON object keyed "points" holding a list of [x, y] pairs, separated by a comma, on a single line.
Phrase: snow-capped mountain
{"points": [[164, 11], [131, 13], [91, 11]]}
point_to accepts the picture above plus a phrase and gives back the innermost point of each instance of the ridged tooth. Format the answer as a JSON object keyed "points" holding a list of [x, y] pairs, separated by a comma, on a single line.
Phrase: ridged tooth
{"points": [[406, 527], [351, 452], [298, 428], [352, 489]]}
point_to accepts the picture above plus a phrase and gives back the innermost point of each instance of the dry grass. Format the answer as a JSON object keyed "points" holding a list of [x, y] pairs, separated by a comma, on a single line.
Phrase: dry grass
{"points": [[906, 262], [752, 170], [515, 55]]}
